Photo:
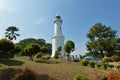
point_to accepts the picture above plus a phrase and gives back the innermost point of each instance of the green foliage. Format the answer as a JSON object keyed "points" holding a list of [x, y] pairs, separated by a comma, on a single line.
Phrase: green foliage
{"points": [[44, 49], [28, 41], [11, 32], [56, 56], [17, 49], [59, 49], [46, 57], [105, 66], [32, 49], [101, 39], [0, 65], [27, 74], [106, 59], [38, 55], [92, 64], [118, 41], [84, 62], [80, 77], [98, 65], [115, 58], [69, 46], [111, 66], [49, 47], [41, 42], [6, 45], [118, 67]]}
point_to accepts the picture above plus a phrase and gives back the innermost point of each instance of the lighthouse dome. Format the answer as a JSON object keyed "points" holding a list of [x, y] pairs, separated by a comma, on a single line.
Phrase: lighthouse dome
{"points": [[57, 16]]}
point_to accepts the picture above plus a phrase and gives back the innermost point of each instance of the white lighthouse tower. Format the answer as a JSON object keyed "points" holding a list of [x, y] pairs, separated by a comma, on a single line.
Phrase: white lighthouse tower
{"points": [[58, 38]]}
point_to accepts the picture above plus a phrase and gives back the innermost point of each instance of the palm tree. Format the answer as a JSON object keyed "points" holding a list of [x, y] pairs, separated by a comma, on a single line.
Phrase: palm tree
{"points": [[10, 32]]}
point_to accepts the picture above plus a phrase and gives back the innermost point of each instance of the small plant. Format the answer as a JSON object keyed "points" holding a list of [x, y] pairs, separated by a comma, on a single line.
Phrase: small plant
{"points": [[105, 66], [46, 57], [111, 66], [84, 62], [92, 64], [80, 77], [27, 74], [118, 67], [98, 65], [115, 58], [56, 56], [106, 60]]}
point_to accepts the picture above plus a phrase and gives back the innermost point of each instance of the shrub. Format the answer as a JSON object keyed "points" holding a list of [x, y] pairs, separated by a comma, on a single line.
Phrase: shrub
{"points": [[111, 66], [80, 77], [106, 59], [46, 57], [27, 74], [115, 58], [113, 76], [118, 67], [38, 55], [105, 66], [6, 46], [32, 49], [84, 62], [92, 64], [56, 56], [118, 62], [98, 65]]}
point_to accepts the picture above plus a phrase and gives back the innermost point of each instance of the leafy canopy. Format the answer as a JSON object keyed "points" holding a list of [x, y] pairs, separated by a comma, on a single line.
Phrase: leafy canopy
{"points": [[102, 39], [11, 32], [69, 47]]}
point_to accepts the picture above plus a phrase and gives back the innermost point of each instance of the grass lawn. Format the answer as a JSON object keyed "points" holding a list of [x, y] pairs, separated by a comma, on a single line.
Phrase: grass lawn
{"points": [[48, 71]]}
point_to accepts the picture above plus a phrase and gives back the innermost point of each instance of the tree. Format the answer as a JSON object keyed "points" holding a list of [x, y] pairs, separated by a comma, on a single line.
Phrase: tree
{"points": [[17, 49], [11, 32], [28, 41], [6, 46], [118, 47], [38, 55], [31, 50], [58, 52], [44, 49], [59, 49], [49, 47], [41, 42], [102, 40], [69, 47]]}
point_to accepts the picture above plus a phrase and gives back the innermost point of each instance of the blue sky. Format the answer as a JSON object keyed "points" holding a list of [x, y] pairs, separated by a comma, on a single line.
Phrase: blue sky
{"points": [[34, 18]]}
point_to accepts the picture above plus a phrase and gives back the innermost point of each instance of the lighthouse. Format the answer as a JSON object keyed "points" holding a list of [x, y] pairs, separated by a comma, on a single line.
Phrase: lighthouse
{"points": [[58, 37]]}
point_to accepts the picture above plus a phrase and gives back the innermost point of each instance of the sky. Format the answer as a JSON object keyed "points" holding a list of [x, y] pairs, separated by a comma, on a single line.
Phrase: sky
{"points": [[34, 18]]}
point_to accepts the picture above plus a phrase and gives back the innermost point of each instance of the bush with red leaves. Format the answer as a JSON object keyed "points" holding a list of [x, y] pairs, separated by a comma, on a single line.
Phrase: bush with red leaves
{"points": [[112, 76], [26, 74]]}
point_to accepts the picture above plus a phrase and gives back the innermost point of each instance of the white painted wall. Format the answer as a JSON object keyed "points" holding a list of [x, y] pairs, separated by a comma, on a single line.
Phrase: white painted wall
{"points": [[58, 38]]}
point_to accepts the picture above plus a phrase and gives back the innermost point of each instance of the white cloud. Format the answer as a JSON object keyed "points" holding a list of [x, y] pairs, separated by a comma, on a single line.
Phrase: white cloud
{"points": [[40, 20], [6, 6]]}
